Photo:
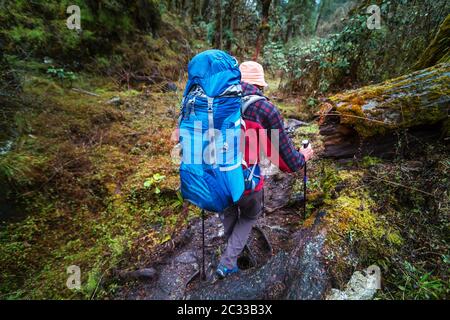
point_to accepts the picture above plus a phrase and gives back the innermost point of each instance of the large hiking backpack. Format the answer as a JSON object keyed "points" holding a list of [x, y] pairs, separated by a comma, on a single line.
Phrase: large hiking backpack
{"points": [[210, 128]]}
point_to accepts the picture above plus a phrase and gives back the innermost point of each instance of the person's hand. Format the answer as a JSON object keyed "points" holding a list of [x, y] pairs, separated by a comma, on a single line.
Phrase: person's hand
{"points": [[307, 153]]}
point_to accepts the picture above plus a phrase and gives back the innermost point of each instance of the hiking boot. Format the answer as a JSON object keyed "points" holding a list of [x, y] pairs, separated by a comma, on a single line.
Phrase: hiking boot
{"points": [[223, 271]]}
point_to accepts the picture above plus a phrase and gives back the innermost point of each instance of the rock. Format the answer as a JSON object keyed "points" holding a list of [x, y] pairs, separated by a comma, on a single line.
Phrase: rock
{"points": [[297, 275], [145, 273], [115, 101], [360, 287], [186, 257], [170, 87], [290, 125]]}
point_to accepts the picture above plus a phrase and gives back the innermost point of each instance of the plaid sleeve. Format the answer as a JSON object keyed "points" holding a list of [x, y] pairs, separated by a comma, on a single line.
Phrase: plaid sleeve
{"points": [[270, 118]]}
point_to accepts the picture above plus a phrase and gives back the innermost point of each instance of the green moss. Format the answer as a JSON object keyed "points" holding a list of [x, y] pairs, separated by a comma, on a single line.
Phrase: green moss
{"points": [[94, 206], [350, 215], [308, 130], [329, 179], [368, 161], [353, 222], [35, 36]]}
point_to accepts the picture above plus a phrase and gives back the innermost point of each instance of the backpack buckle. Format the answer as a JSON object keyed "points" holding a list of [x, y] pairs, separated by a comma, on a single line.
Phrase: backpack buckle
{"points": [[210, 103]]}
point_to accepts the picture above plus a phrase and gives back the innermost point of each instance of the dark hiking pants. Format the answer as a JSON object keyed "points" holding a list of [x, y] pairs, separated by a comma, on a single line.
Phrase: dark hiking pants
{"points": [[238, 221]]}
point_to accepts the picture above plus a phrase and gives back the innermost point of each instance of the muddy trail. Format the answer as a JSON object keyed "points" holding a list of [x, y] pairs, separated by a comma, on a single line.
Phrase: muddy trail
{"points": [[281, 260]]}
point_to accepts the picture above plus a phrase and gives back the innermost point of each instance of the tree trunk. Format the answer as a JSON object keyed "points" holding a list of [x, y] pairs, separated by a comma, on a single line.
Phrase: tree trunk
{"points": [[368, 120], [319, 15], [218, 31], [263, 29], [231, 22], [196, 10], [204, 9]]}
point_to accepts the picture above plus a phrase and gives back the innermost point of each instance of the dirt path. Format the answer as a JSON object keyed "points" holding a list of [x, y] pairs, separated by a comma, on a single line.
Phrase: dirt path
{"points": [[281, 259]]}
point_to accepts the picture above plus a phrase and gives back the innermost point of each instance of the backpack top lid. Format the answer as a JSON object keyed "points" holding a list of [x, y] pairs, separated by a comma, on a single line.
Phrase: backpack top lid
{"points": [[214, 71]]}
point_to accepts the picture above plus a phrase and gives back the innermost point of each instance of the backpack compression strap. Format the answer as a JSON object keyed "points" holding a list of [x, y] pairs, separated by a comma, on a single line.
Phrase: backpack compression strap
{"points": [[212, 155], [249, 100], [246, 102]]}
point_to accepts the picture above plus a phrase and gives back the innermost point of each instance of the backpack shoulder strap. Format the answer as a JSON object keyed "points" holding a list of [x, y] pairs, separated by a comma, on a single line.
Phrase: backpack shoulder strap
{"points": [[249, 100]]}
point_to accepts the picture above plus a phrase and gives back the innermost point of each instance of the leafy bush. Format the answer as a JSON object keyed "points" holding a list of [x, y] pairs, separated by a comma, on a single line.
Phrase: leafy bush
{"points": [[62, 75], [39, 28], [357, 55], [418, 284], [153, 183], [274, 57]]}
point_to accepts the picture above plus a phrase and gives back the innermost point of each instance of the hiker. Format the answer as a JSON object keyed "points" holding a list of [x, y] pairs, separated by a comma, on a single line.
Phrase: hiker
{"points": [[258, 113], [219, 96]]}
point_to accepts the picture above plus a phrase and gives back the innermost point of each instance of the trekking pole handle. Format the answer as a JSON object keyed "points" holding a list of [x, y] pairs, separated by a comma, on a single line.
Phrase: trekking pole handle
{"points": [[305, 143]]}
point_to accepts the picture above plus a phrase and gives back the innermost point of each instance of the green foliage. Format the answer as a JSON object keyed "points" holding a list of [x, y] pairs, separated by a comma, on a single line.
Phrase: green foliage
{"points": [[357, 55], [62, 74], [20, 170], [96, 182], [39, 28], [274, 57], [291, 19], [310, 68], [368, 161], [418, 284], [85, 203], [153, 182], [439, 49]]}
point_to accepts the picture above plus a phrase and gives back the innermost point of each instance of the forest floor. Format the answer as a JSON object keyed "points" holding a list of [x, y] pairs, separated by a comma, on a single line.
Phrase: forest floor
{"points": [[98, 189]]}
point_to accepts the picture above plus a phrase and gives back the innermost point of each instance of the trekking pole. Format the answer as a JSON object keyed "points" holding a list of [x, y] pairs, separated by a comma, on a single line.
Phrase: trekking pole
{"points": [[203, 246], [305, 144]]}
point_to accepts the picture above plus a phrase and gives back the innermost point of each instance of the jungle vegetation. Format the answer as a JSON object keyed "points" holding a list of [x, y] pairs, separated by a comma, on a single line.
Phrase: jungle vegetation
{"points": [[86, 120]]}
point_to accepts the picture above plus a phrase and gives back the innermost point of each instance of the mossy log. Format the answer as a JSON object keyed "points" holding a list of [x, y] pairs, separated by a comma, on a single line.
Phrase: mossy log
{"points": [[368, 120]]}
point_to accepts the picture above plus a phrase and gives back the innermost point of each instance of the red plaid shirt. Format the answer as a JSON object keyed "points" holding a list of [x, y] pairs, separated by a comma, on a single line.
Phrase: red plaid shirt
{"points": [[269, 117]]}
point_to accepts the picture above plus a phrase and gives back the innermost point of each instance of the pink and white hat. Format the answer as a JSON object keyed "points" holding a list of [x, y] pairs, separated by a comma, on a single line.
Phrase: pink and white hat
{"points": [[252, 72]]}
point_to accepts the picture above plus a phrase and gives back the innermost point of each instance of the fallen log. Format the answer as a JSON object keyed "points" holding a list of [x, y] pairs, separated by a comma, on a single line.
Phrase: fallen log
{"points": [[85, 92], [369, 120]]}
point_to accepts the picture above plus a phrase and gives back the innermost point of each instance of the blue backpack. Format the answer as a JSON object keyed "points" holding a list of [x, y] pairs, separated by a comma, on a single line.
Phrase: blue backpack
{"points": [[210, 127]]}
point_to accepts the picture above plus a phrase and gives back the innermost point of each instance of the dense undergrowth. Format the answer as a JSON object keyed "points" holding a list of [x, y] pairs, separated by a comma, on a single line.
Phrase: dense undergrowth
{"points": [[350, 55], [93, 178], [89, 181], [85, 181], [99, 191], [393, 214]]}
